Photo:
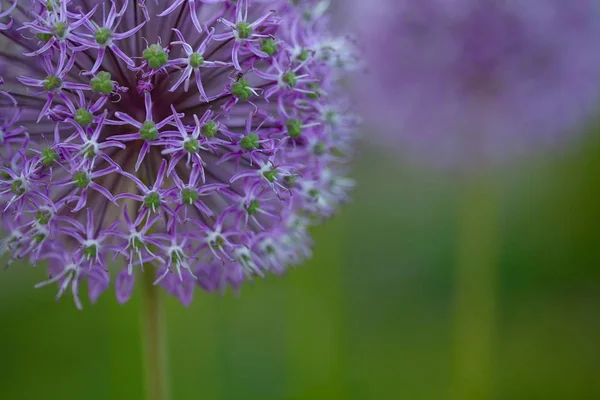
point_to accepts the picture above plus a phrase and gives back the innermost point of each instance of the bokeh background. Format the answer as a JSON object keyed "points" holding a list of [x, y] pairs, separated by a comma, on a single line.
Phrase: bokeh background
{"points": [[372, 316], [380, 312]]}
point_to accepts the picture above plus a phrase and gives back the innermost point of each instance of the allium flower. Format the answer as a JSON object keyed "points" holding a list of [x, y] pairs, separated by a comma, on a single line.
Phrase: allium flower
{"points": [[201, 137], [478, 81]]}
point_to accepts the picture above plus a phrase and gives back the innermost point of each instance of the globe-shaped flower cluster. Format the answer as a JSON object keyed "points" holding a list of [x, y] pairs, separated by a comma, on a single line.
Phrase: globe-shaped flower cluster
{"points": [[472, 82], [194, 139]]}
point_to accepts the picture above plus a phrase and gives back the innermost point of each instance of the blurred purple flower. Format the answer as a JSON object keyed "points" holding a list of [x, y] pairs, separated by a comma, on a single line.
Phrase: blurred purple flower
{"points": [[471, 81], [203, 137]]}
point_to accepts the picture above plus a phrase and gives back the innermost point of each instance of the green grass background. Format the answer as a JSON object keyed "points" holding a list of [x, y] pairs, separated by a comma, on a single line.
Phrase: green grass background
{"points": [[370, 317]]}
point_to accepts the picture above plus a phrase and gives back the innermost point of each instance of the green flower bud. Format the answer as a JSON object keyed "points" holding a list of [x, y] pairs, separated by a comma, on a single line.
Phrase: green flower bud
{"points": [[189, 196], [320, 149], [90, 251], [253, 207], [81, 179], [149, 131], [196, 60], [244, 30], [270, 175], [152, 200], [303, 56], [250, 142], [103, 35], [43, 216], [290, 181], [52, 82], [89, 151], [268, 46], [83, 117], [17, 187], [241, 90], [155, 56], [60, 30], [209, 129], [290, 78], [102, 83], [191, 146], [48, 157], [294, 128]]}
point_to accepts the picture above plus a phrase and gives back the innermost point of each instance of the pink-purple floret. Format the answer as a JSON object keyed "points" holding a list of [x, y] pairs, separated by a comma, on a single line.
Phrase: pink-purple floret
{"points": [[194, 140]]}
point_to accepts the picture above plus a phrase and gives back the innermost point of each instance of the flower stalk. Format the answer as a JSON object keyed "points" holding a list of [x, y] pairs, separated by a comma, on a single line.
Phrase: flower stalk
{"points": [[154, 334], [475, 281]]}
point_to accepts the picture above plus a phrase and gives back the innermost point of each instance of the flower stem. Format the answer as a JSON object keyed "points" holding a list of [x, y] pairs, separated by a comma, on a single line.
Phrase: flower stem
{"points": [[154, 339], [475, 282]]}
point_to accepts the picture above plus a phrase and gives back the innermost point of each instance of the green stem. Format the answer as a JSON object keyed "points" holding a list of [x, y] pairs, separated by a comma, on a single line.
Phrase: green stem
{"points": [[154, 338], [475, 290]]}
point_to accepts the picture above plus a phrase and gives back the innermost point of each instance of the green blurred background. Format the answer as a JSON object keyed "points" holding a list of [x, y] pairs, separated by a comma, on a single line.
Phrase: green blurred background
{"points": [[373, 316]]}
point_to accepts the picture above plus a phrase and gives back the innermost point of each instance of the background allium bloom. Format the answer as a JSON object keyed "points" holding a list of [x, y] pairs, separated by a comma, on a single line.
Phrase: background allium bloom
{"points": [[477, 81], [203, 137]]}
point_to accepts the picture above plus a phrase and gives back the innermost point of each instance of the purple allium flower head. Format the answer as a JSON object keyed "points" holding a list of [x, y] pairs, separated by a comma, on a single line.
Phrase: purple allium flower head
{"points": [[471, 81], [203, 137]]}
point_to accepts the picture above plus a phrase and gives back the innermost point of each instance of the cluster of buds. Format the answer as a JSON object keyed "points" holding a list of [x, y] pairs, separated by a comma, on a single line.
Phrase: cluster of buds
{"points": [[200, 137]]}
